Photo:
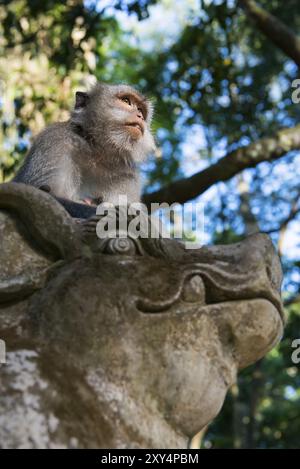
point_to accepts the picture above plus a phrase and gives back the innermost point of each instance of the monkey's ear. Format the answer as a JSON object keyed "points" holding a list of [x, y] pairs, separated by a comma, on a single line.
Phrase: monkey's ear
{"points": [[81, 99]]}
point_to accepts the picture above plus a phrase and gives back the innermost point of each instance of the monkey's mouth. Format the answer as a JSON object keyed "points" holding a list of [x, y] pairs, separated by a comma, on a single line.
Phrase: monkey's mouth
{"points": [[135, 125]]}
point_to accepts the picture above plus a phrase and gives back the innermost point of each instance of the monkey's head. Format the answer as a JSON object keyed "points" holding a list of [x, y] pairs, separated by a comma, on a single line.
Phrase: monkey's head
{"points": [[116, 119]]}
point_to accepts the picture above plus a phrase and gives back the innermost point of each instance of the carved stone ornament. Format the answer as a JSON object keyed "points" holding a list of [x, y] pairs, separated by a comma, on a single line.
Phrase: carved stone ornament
{"points": [[122, 343]]}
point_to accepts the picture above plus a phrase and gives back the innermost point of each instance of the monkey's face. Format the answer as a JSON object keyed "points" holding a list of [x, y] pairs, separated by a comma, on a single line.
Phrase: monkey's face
{"points": [[132, 106], [118, 118]]}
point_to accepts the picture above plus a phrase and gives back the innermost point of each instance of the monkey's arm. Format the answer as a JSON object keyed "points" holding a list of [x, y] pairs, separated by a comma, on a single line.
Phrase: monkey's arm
{"points": [[54, 160]]}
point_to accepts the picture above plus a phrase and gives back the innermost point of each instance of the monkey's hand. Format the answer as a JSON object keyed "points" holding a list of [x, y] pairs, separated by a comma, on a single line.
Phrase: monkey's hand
{"points": [[88, 227]]}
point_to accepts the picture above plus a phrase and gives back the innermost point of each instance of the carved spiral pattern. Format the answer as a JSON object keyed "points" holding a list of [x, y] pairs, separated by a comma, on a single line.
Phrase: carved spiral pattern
{"points": [[120, 246]]}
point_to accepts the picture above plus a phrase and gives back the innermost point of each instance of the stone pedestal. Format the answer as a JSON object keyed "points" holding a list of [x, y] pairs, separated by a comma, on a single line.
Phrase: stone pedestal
{"points": [[129, 344]]}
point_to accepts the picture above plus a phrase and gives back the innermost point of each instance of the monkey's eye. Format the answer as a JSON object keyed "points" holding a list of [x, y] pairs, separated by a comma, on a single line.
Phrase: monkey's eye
{"points": [[126, 100]]}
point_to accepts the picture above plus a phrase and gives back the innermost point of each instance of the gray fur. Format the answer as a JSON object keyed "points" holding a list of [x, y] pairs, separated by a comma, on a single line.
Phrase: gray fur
{"points": [[91, 155]]}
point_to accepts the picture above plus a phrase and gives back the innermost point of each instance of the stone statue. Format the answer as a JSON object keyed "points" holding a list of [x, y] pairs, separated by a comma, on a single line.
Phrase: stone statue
{"points": [[122, 343]]}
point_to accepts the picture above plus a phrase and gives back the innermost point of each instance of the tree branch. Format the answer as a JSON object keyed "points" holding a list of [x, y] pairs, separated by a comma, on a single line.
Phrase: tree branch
{"points": [[265, 149], [274, 29]]}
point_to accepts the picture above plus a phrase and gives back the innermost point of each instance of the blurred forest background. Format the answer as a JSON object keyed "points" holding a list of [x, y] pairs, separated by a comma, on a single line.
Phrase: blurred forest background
{"points": [[228, 133]]}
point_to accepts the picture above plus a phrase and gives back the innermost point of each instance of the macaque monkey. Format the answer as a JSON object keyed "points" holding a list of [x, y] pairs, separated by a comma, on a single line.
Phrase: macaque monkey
{"points": [[93, 157]]}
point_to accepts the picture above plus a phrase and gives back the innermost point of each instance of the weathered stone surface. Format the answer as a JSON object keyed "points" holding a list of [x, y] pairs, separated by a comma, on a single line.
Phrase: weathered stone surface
{"points": [[128, 344]]}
